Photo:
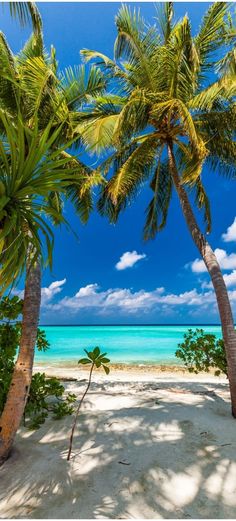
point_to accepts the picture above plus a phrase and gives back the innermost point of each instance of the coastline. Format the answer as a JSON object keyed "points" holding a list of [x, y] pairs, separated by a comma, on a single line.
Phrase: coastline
{"points": [[127, 372]]}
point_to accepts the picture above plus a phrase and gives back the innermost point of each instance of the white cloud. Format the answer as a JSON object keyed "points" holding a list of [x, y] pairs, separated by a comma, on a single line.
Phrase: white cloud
{"points": [[226, 262], [48, 293], [118, 300], [129, 259], [230, 235], [128, 302], [230, 279], [87, 291]]}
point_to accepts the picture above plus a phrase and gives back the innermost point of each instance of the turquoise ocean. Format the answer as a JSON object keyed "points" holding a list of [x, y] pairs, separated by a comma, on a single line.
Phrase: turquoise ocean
{"points": [[124, 344]]}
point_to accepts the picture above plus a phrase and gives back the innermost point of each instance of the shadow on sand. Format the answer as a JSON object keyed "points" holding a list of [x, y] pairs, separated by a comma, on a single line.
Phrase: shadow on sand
{"points": [[141, 451]]}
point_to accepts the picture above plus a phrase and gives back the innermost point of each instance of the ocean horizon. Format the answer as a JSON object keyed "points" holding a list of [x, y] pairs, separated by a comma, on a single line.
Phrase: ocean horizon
{"points": [[128, 344]]}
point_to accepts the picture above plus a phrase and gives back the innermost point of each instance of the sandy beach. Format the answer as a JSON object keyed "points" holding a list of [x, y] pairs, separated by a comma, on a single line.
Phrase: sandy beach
{"points": [[149, 444]]}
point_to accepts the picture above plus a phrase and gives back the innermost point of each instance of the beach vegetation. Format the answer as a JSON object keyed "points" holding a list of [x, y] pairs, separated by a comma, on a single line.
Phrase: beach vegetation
{"points": [[25, 13], [95, 359], [168, 112], [30, 171], [201, 351], [46, 395], [38, 173]]}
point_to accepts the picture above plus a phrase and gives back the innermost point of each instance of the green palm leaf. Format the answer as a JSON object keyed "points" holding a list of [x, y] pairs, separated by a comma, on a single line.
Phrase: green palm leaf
{"points": [[157, 210], [26, 12]]}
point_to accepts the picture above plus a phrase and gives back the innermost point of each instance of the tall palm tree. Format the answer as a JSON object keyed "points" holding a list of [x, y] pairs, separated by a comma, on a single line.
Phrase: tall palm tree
{"points": [[169, 111], [29, 170], [32, 95]]}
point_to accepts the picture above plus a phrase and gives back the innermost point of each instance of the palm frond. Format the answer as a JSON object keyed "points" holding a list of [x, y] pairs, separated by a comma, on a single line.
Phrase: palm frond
{"points": [[211, 34], [164, 17], [135, 45], [8, 76], [32, 180], [79, 189], [33, 48], [157, 210], [98, 133], [133, 117], [81, 86], [54, 207], [101, 59], [134, 171], [26, 12]]}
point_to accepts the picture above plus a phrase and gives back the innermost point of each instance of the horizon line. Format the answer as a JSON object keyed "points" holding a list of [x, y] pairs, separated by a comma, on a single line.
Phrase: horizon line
{"points": [[129, 325]]}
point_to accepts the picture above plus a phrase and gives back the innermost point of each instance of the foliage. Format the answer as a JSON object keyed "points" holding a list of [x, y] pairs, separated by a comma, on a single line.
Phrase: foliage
{"points": [[166, 88], [26, 12], [38, 120], [46, 394], [201, 351], [95, 359], [29, 170]]}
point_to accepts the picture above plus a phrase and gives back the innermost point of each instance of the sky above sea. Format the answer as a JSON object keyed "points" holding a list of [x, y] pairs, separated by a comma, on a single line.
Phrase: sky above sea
{"points": [[108, 274]]}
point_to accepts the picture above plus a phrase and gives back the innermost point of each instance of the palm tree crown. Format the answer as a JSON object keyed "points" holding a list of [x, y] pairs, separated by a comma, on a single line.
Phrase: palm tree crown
{"points": [[164, 94], [38, 114]]}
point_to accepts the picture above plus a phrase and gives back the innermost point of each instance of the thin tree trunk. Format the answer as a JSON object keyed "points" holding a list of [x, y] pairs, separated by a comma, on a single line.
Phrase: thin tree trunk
{"points": [[21, 379], [212, 265], [77, 412]]}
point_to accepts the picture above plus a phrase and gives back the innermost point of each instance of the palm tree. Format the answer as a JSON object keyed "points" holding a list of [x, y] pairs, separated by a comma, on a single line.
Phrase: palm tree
{"points": [[43, 105], [29, 171], [26, 12], [162, 120]]}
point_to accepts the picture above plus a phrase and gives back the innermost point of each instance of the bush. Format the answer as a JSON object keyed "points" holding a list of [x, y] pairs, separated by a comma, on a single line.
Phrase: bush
{"points": [[201, 351], [46, 394]]}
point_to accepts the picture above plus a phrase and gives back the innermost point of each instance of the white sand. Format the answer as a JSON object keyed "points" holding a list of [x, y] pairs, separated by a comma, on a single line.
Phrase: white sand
{"points": [[148, 445]]}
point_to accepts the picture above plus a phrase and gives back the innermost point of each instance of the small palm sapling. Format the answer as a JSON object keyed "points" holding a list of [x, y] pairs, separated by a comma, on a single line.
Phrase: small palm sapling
{"points": [[96, 359]]}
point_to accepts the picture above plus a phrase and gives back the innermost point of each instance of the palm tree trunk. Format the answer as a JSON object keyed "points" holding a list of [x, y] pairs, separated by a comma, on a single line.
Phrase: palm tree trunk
{"points": [[21, 379], [212, 265]]}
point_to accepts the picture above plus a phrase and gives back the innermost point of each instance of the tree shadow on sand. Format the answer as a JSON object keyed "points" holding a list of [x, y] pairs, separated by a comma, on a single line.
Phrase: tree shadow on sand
{"points": [[146, 453]]}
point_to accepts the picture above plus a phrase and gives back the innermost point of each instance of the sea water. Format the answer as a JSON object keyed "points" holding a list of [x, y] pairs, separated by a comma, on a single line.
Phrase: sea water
{"points": [[124, 344]]}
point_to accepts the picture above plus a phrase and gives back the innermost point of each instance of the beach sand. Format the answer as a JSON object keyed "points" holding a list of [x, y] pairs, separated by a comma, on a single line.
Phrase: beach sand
{"points": [[149, 444]]}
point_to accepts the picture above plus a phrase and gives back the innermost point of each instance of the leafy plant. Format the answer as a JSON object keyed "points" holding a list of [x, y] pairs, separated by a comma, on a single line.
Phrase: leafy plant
{"points": [[95, 359], [46, 394], [201, 351]]}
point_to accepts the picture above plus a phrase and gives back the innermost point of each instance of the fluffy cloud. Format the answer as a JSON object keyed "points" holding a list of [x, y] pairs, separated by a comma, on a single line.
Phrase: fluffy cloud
{"points": [[48, 293], [87, 291], [230, 235], [226, 262], [229, 278], [125, 300], [129, 259]]}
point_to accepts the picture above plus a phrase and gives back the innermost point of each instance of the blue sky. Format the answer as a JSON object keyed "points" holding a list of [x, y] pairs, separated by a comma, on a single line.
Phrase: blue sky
{"points": [[162, 286]]}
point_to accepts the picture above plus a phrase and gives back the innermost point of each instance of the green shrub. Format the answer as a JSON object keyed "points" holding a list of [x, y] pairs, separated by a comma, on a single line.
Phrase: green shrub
{"points": [[201, 351], [46, 394]]}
